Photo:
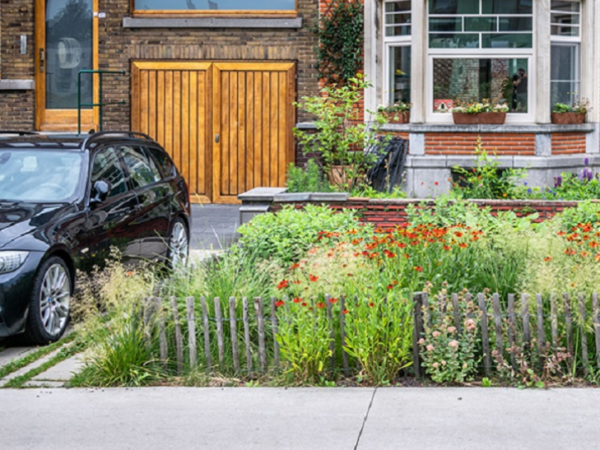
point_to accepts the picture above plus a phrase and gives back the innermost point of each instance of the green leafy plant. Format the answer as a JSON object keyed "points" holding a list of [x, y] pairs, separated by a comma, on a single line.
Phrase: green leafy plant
{"points": [[341, 135], [307, 179], [580, 106], [381, 336], [486, 180], [341, 36], [562, 108], [479, 107]]}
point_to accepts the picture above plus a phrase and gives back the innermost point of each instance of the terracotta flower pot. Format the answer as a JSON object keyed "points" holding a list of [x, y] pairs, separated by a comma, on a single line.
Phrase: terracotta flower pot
{"points": [[399, 117], [495, 118], [568, 118], [465, 118]]}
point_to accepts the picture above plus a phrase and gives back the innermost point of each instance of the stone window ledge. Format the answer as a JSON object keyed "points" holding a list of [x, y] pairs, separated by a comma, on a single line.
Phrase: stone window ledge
{"points": [[504, 161], [478, 129], [17, 85], [211, 22]]}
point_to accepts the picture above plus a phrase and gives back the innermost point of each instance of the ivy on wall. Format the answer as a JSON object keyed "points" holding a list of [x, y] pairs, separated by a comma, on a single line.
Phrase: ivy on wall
{"points": [[341, 40]]}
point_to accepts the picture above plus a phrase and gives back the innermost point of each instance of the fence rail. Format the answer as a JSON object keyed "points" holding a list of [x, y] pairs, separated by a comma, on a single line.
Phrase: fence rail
{"points": [[535, 324]]}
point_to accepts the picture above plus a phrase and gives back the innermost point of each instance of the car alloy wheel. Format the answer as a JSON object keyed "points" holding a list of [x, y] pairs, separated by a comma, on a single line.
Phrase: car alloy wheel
{"points": [[55, 297], [179, 246]]}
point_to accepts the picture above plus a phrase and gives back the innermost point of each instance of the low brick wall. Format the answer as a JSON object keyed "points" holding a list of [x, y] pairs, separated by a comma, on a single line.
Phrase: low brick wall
{"points": [[392, 212]]}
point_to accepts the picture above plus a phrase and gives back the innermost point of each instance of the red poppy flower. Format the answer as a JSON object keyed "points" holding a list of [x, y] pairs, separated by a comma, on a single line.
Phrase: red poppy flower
{"points": [[547, 259], [447, 248], [320, 305], [390, 286], [345, 311], [371, 304], [419, 269], [295, 266], [313, 278], [333, 301], [283, 284], [390, 255], [297, 300], [462, 245], [279, 303]]}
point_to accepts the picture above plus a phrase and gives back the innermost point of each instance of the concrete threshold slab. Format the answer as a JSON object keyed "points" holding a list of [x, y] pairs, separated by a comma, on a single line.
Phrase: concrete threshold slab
{"points": [[61, 372]]}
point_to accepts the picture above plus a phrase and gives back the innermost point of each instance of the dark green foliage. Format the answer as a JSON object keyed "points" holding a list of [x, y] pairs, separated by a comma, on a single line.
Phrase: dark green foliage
{"points": [[307, 179]]}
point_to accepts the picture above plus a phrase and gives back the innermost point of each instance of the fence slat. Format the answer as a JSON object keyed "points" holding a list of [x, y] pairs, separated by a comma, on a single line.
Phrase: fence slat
{"points": [[498, 325], [247, 334], [191, 321], [234, 338], [583, 333], [525, 318], [443, 303], [343, 336], [554, 321], [596, 320], [147, 308], [540, 329], [418, 306], [512, 328], [262, 349], [426, 310], [206, 331], [485, 340], [456, 308], [275, 326], [220, 335], [162, 330], [569, 326], [331, 331], [178, 335]]}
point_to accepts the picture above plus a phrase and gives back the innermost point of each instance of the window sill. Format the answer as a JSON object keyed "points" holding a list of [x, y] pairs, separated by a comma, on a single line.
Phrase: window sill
{"points": [[418, 128], [17, 85], [212, 22]]}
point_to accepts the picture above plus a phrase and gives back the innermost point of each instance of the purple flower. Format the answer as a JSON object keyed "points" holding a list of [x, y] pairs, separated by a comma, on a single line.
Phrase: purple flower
{"points": [[557, 182], [525, 183], [529, 190], [586, 161]]}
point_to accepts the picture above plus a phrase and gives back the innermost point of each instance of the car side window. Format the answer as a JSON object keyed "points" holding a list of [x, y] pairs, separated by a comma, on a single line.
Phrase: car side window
{"points": [[164, 162], [108, 168], [142, 172]]}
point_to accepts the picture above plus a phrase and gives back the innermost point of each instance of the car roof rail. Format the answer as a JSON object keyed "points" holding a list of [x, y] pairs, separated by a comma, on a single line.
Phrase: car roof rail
{"points": [[19, 133], [130, 134]]}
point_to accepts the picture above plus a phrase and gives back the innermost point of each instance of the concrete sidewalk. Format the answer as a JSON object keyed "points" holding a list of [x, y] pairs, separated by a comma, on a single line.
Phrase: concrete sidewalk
{"points": [[214, 227], [303, 419]]}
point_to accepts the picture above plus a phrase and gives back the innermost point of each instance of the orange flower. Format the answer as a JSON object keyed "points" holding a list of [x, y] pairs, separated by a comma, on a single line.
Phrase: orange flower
{"points": [[390, 286], [447, 248], [297, 282], [547, 259], [297, 300], [594, 244], [597, 257], [345, 311], [320, 305], [313, 278], [462, 245], [295, 266], [419, 269], [279, 303], [283, 284], [333, 301], [371, 304]]}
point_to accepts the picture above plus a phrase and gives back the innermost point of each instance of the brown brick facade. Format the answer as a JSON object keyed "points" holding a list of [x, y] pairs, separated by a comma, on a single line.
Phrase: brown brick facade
{"points": [[463, 144], [568, 143]]}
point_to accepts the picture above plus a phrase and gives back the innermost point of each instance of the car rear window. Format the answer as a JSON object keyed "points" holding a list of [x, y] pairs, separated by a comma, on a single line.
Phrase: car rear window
{"points": [[166, 166]]}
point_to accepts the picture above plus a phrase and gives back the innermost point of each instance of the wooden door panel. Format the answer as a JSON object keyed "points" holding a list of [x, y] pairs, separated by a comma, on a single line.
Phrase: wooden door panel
{"points": [[254, 122], [171, 103]]}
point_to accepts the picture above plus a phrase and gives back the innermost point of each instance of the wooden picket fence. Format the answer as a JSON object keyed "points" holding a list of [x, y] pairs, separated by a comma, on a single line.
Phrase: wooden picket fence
{"points": [[511, 328]]}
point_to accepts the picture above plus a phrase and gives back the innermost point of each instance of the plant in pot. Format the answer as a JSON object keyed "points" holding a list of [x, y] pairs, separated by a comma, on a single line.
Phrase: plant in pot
{"points": [[484, 112], [564, 114], [341, 135], [397, 113]]}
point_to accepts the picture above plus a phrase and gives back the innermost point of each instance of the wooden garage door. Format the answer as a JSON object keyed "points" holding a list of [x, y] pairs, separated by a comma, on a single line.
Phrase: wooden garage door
{"points": [[227, 126]]}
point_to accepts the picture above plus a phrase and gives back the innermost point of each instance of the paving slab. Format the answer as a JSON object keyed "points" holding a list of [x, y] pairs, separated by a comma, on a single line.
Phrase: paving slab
{"points": [[34, 365], [184, 418], [480, 418], [13, 353], [63, 371]]}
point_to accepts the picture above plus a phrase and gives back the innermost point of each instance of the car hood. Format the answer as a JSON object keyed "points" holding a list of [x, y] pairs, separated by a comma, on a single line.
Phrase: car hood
{"points": [[19, 219]]}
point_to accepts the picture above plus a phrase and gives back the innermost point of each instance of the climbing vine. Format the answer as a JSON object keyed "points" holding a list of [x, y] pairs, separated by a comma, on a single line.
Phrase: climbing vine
{"points": [[341, 37]]}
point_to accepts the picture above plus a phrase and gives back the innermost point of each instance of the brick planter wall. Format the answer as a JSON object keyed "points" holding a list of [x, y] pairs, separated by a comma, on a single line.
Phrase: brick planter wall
{"points": [[392, 212]]}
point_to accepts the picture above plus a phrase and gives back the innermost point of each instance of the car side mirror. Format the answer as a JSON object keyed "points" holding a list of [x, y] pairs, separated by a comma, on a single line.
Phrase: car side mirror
{"points": [[100, 192]]}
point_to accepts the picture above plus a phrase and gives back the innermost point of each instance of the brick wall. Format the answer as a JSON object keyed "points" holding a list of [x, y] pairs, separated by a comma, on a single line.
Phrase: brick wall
{"points": [[463, 144], [568, 143], [16, 107], [391, 212]]}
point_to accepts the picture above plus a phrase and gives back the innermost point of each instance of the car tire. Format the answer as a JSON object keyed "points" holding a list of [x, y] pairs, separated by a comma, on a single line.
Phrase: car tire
{"points": [[49, 304], [179, 245]]}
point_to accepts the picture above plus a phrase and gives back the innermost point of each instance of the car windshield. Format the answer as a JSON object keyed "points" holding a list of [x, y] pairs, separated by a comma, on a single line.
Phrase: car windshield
{"points": [[39, 175]]}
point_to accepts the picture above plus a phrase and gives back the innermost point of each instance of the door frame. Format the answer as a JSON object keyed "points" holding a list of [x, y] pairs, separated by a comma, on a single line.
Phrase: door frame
{"points": [[61, 119], [287, 66]]}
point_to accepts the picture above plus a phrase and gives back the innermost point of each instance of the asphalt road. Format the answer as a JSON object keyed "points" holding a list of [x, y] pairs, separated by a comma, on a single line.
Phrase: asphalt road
{"points": [[301, 418]]}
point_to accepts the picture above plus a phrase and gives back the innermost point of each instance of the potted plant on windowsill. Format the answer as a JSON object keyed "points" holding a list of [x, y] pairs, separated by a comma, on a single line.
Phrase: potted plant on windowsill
{"points": [[341, 134], [484, 112], [397, 113], [564, 114]]}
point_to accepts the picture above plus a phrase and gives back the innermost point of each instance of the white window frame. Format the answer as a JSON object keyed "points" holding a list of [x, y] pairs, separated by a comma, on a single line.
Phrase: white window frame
{"points": [[390, 42], [482, 53], [560, 40]]}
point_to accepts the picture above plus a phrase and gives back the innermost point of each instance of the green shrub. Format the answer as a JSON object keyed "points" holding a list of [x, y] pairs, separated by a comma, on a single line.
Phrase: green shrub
{"points": [[307, 179]]}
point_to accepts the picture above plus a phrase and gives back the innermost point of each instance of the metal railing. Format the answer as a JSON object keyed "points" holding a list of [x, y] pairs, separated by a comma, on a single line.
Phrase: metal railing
{"points": [[100, 105]]}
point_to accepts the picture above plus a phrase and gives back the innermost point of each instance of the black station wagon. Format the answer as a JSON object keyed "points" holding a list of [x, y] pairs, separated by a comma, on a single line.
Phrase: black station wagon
{"points": [[64, 203]]}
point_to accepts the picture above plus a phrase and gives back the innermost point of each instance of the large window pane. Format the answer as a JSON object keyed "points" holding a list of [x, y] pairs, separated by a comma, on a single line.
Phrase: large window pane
{"points": [[454, 7], [516, 24], [507, 6], [481, 24], [507, 40], [445, 24], [565, 76], [216, 5], [399, 76], [472, 79], [564, 5], [454, 40]]}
